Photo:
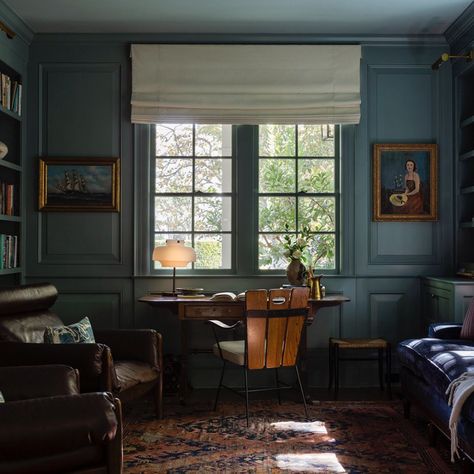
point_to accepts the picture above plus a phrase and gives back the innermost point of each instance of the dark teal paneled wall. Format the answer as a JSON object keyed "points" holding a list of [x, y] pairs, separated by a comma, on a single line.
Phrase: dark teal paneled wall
{"points": [[78, 100]]}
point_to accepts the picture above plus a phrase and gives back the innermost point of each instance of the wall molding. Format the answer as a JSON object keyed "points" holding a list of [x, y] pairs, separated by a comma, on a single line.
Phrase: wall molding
{"points": [[16, 23]]}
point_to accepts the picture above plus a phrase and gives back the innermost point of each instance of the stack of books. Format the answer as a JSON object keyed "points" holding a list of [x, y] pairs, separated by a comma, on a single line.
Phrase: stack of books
{"points": [[8, 251], [11, 92], [7, 199]]}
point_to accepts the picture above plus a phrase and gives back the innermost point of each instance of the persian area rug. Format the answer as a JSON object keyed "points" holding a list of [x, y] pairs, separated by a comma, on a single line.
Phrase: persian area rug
{"points": [[352, 437]]}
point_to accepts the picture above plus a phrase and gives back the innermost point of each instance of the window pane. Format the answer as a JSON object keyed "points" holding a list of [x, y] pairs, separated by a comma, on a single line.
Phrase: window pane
{"points": [[173, 214], [319, 213], [212, 214], [174, 140], [213, 251], [276, 176], [275, 212], [316, 176], [213, 175], [174, 175], [316, 140], [270, 252], [323, 251], [213, 140], [160, 239], [276, 140]]}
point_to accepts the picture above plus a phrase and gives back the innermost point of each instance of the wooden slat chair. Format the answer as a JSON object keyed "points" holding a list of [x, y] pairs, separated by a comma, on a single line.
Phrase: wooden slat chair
{"points": [[274, 322]]}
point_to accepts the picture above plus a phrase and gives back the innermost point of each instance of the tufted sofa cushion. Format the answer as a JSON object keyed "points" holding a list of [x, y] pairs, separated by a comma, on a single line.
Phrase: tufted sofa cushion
{"points": [[438, 362]]}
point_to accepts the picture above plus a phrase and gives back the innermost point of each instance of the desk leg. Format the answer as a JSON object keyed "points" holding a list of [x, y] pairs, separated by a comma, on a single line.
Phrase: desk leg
{"points": [[183, 383], [304, 362]]}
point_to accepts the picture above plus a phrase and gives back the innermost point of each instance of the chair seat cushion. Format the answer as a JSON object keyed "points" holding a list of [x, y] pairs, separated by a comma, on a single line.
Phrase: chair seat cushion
{"points": [[130, 373], [233, 351]]}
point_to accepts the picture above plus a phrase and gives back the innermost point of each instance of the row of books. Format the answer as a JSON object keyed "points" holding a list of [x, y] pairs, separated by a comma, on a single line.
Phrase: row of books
{"points": [[7, 199], [11, 94], [8, 251]]}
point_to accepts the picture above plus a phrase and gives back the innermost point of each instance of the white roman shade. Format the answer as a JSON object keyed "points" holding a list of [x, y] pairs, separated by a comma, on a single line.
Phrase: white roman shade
{"points": [[249, 84]]}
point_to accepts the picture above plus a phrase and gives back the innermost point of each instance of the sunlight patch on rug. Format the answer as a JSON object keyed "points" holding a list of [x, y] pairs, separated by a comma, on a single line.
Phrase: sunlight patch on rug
{"points": [[323, 462], [303, 427]]}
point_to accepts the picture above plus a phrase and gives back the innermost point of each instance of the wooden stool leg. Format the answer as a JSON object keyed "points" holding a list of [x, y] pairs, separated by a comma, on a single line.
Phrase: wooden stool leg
{"points": [[388, 354], [331, 362], [380, 351], [336, 374]]}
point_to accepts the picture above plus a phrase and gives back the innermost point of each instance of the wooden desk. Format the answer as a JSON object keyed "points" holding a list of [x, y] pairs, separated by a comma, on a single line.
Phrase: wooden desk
{"points": [[203, 309]]}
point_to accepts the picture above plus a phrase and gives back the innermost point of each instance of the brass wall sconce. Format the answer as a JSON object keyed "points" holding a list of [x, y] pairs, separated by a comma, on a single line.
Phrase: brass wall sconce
{"points": [[446, 57], [9, 32]]}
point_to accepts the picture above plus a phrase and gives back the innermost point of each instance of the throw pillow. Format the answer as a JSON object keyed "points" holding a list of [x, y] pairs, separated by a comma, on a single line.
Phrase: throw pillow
{"points": [[467, 330], [2, 400], [80, 332]]}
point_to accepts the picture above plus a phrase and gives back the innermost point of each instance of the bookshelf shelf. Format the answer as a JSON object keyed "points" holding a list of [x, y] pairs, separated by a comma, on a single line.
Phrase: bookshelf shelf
{"points": [[10, 271], [4, 217], [8, 164], [468, 121], [10, 113], [467, 155]]}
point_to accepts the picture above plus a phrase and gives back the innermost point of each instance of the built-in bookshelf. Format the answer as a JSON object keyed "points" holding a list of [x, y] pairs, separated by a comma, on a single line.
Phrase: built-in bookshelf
{"points": [[11, 93], [465, 173]]}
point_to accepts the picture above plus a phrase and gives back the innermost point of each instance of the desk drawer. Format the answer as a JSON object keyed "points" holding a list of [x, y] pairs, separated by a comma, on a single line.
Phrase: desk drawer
{"points": [[211, 312]]}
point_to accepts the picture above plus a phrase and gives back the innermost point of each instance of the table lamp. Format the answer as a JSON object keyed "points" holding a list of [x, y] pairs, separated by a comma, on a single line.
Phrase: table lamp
{"points": [[174, 254]]}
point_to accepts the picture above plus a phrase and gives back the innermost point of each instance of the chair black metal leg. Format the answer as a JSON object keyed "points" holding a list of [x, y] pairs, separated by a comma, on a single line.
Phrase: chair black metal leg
{"points": [[220, 385], [381, 369], [388, 355], [301, 390], [278, 386], [336, 371], [246, 395]]}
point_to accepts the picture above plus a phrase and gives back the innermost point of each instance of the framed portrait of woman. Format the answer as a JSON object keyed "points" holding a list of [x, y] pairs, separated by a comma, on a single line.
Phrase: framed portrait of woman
{"points": [[405, 182]]}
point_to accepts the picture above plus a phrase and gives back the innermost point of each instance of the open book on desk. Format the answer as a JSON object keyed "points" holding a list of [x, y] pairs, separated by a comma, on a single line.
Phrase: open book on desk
{"points": [[227, 296]]}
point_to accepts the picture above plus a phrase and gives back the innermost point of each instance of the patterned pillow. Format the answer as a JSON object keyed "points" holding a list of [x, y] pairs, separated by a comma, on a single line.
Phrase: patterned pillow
{"points": [[467, 330], [80, 332], [2, 400]]}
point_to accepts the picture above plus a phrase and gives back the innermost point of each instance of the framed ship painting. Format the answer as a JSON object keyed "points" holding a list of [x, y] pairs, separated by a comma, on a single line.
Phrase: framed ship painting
{"points": [[79, 184], [405, 182]]}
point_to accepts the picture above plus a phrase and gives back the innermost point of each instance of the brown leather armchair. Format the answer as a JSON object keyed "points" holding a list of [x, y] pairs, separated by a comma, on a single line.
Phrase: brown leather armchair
{"points": [[126, 362], [46, 426]]}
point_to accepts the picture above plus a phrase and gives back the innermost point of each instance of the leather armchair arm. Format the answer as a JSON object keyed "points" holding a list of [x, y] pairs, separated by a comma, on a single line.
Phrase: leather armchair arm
{"points": [[143, 345], [93, 361], [46, 426], [445, 330], [22, 383]]}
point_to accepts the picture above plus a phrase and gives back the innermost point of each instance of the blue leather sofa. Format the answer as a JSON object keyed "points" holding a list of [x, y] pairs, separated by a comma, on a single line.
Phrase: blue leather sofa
{"points": [[427, 366]]}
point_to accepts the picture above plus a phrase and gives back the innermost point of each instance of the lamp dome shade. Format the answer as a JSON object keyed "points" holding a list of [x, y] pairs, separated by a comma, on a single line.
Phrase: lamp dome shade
{"points": [[174, 254]]}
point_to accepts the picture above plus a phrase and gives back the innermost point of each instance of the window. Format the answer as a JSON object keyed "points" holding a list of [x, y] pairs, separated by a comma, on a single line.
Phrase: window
{"points": [[297, 169], [297, 187], [193, 190]]}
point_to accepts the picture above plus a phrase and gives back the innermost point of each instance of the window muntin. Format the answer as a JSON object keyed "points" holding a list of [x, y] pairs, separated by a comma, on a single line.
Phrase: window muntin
{"points": [[297, 186], [193, 190]]}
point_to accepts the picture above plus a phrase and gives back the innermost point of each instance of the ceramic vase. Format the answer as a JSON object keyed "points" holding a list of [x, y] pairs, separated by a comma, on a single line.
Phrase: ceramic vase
{"points": [[3, 150], [296, 272]]}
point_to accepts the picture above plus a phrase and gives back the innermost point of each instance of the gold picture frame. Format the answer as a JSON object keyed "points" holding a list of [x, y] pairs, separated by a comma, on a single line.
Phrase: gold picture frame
{"points": [[405, 182], [79, 184]]}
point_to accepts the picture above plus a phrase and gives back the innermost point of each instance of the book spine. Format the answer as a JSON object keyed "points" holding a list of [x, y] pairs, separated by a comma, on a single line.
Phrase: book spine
{"points": [[15, 252], [2, 251]]}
